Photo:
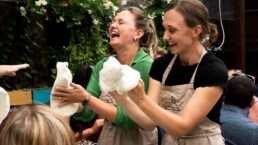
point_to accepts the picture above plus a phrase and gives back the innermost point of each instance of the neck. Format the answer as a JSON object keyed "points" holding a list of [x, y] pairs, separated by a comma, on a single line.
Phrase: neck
{"points": [[191, 56], [126, 57]]}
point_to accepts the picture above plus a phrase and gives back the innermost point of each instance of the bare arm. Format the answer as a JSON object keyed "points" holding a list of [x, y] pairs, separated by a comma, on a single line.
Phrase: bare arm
{"points": [[10, 70], [199, 105], [78, 94], [133, 111], [90, 131]]}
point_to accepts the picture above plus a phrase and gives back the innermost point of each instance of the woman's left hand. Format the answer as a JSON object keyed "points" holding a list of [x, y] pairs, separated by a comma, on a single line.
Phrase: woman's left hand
{"points": [[67, 95], [118, 98]]}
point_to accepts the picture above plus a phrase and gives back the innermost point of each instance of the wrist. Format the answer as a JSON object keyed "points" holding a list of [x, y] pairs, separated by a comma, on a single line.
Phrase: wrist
{"points": [[86, 100], [80, 108]]}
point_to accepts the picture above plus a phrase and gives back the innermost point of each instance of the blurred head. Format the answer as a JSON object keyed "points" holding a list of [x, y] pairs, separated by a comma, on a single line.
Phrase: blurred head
{"points": [[188, 19], [82, 75], [130, 27], [240, 91], [36, 125], [160, 52]]}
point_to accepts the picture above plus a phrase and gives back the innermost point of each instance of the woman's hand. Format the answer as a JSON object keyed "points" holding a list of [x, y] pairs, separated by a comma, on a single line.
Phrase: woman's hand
{"points": [[67, 95], [10, 70], [120, 99], [138, 93]]}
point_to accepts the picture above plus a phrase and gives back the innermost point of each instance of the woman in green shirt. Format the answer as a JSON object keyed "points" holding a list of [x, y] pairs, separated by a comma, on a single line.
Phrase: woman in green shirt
{"points": [[130, 32]]}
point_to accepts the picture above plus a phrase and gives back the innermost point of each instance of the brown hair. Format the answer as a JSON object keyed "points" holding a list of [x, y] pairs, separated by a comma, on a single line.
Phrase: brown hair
{"points": [[195, 13], [36, 125], [149, 40]]}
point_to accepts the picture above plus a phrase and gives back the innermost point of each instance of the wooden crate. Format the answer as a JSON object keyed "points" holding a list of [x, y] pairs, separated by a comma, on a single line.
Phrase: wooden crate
{"points": [[20, 97]]}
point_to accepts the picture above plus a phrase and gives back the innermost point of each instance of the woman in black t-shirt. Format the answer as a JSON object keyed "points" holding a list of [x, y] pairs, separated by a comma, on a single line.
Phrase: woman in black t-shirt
{"points": [[186, 85]]}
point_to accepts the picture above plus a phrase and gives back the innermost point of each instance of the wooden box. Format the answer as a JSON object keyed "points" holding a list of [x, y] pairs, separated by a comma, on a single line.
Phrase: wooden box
{"points": [[20, 97], [41, 96]]}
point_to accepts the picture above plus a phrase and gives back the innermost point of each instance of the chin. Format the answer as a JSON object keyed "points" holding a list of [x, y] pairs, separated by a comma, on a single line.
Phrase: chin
{"points": [[173, 51]]}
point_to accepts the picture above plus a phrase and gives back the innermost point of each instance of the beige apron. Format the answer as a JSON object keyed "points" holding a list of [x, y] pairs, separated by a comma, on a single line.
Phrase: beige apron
{"points": [[173, 99], [111, 135]]}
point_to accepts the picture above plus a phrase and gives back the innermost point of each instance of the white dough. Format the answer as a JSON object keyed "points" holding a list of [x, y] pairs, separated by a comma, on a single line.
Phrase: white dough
{"points": [[63, 78], [4, 104], [110, 75], [128, 81], [115, 76]]}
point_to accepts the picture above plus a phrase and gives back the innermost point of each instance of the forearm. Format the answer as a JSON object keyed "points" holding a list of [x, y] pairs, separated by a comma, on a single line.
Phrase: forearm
{"points": [[172, 123], [136, 114], [106, 110], [85, 115]]}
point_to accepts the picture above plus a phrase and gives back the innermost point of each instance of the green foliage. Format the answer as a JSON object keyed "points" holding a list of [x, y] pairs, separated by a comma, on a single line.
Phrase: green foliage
{"points": [[44, 32]]}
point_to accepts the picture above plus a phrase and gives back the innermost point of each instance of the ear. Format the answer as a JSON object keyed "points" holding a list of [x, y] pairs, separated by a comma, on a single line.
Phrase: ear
{"points": [[139, 34], [252, 102], [197, 30]]}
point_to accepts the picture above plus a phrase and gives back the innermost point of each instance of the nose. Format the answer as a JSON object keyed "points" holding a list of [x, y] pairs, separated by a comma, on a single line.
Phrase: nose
{"points": [[165, 36], [113, 25]]}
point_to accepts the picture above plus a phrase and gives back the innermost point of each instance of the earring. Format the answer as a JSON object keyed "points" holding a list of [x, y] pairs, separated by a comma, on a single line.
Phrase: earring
{"points": [[135, 38]]}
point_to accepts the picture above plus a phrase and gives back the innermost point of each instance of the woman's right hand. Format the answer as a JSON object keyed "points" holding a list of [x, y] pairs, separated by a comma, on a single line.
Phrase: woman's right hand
{"points": [[137, 94]]}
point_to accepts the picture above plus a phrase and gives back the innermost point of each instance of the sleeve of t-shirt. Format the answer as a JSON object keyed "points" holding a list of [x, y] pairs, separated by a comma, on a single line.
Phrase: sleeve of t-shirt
{"points": [[156, 70], [212, 74]]}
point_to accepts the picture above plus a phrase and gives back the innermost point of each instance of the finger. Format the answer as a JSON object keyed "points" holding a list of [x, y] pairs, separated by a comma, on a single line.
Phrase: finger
{"points": [[63, 103], [57, 98], [74, 85], [61, 89], [11, 74]]}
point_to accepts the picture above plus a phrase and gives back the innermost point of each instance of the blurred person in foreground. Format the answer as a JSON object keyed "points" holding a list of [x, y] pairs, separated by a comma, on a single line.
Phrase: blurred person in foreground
{"points": [[36, 125]]}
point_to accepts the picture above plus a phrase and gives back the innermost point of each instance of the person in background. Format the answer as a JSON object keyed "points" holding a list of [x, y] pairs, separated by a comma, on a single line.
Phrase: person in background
{"points": [[88, 131], [10, 70], [186, 85], [236, 128], [129, 31], [251, 111], [36, 125], [160, 52]]}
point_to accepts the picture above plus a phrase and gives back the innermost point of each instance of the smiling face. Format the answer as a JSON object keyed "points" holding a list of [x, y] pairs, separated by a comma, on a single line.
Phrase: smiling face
{"points": [[179, 36], [122, 30]]}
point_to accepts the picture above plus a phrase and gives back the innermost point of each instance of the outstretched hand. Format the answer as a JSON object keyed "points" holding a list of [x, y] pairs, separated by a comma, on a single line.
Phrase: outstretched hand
{"points": [[76, 94], [10, 70]]}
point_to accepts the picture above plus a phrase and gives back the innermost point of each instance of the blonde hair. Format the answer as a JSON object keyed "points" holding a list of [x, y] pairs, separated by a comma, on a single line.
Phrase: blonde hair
{"points": [[36, 125], [149, 41]]}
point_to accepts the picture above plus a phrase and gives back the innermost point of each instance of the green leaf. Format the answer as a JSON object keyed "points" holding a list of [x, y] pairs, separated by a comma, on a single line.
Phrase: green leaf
{"points": [[40, 25]]}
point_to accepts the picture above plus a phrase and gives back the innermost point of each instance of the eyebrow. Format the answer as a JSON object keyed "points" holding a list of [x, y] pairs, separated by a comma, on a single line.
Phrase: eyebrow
{"points": [[120, 19]]}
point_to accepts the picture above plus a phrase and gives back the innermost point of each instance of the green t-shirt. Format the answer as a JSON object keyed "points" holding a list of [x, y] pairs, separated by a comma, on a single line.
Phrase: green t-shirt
{"points": [[142, 62]]}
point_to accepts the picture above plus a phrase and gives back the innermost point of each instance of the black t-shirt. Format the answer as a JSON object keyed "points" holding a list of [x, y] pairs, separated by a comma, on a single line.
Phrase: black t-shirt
{"points": [[211, 72]]}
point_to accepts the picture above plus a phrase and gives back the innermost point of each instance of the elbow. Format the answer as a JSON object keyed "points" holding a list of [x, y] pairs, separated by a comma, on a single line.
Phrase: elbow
{"points": [[179, 132]]}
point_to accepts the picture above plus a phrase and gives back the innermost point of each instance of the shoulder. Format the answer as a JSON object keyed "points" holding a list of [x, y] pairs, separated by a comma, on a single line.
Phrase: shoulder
{"points": [[211, 61], [212, 71], [142, 58], [142, 61], [159, 66], [99, 64]]}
